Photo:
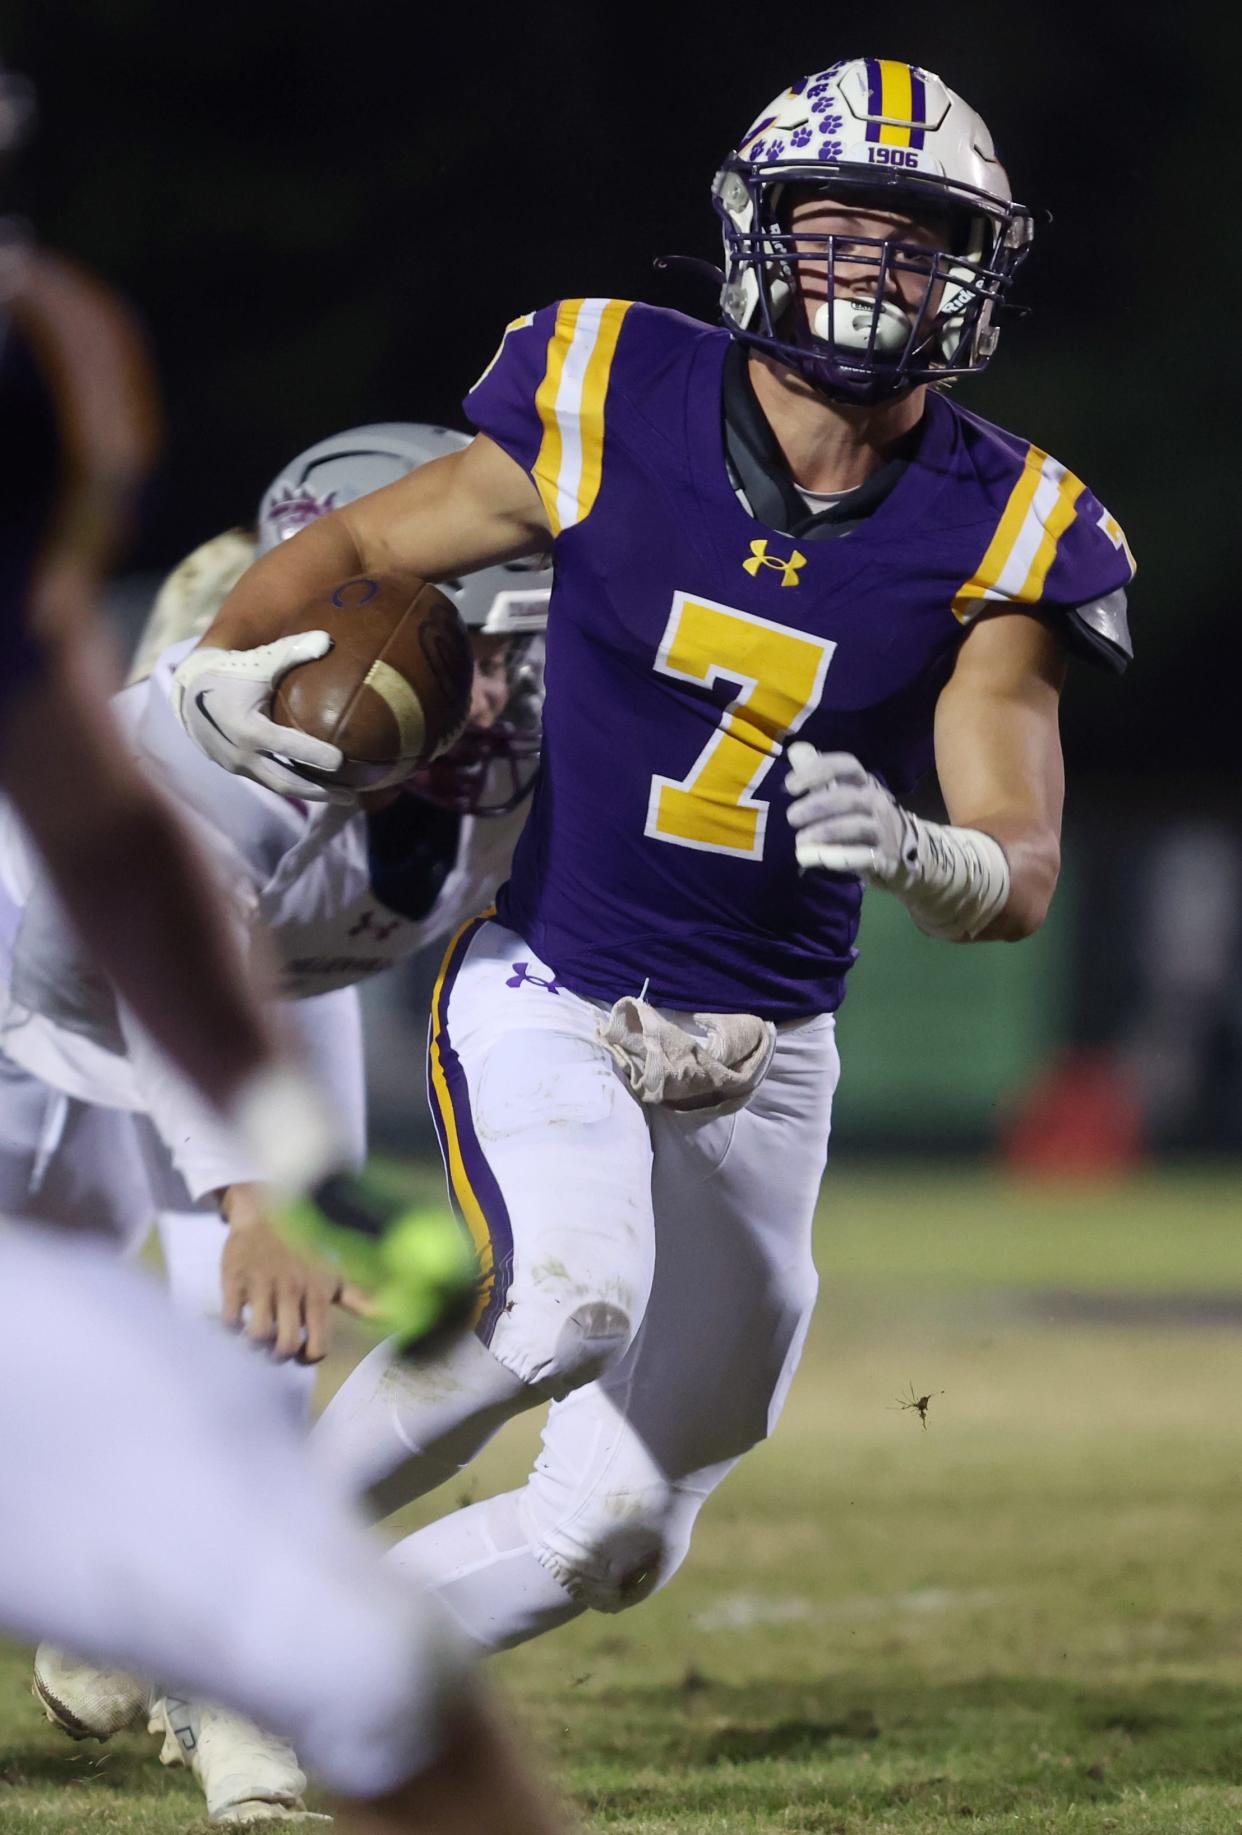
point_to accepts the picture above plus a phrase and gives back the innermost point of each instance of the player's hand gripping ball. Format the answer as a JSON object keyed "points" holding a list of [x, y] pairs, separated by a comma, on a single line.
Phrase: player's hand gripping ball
{"points": [[393, 692]]}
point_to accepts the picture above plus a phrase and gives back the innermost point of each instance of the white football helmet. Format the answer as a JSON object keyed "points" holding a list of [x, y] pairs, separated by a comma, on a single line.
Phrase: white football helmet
{"points": [[489, 770], [881, 134]]}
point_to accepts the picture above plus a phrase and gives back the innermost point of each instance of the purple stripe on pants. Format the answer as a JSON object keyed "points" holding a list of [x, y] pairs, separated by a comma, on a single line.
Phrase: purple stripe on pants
{"points": [[479, 1175]]}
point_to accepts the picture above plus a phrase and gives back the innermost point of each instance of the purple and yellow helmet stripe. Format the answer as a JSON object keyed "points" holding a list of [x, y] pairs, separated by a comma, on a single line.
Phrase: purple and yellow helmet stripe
{"points": [[896, 103]]}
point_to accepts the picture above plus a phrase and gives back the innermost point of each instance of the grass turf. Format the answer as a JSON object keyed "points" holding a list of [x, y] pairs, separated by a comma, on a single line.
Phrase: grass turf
{"points": [[1025, 1617]]}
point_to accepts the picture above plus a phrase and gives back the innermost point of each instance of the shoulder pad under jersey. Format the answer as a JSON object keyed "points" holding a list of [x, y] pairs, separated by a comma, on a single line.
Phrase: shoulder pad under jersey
{"points": [[1100, 631]]}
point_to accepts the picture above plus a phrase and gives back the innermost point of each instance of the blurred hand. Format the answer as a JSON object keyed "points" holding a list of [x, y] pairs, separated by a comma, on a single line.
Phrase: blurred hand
{"points": [[222, 698], [288, 1296], [417, 1275]]}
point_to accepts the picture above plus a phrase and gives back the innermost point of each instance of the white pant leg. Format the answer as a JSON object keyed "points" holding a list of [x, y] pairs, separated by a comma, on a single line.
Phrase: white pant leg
{"points": [[395, 1430], [628, 1461], [549, 1164], [206, 1554], [192, 1243], [548, 1157], [329, 1029]]}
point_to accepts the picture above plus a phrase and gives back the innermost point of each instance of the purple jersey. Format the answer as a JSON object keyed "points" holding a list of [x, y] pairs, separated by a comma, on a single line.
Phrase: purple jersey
{"points": [[687, 642]]}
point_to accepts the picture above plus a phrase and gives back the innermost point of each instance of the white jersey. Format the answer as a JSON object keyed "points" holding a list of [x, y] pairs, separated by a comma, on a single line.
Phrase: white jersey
{"points": [[296, 873]]}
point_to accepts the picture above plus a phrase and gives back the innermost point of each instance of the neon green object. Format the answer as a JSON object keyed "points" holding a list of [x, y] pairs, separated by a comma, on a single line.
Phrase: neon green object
{"points": [[415, 1265]]}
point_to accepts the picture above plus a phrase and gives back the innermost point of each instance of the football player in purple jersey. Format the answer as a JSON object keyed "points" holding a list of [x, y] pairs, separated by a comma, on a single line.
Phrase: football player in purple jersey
{"points": [[791, 574]]}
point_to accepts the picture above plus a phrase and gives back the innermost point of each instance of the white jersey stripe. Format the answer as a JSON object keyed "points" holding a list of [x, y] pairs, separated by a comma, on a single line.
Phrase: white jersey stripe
{"points": [[1016, 571], [568, 411]]}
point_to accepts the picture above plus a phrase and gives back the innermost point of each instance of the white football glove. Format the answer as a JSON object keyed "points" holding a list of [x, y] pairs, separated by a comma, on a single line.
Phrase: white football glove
{"points": [[953, 881], [221, 698], [846, 821]]}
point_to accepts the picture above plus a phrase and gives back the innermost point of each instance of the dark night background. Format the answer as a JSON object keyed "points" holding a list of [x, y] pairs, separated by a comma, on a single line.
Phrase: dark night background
{"points": [[327, 214]]}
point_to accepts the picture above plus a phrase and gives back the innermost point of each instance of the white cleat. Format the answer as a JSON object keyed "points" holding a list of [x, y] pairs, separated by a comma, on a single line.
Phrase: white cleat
{"points": [[83, 1701], [247, 1775]]}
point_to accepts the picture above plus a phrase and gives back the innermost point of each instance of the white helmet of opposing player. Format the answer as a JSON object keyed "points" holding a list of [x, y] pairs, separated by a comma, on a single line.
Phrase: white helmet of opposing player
{"points": [[881, 134], [509, 600]]}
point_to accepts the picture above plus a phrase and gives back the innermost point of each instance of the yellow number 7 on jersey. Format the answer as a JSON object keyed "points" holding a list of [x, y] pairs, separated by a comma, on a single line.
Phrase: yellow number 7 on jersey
{"points": [[781, 676]]}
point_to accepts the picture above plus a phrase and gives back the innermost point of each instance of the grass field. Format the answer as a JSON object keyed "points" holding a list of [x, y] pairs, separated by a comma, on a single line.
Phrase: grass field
{"points": [[1027, 1617]]}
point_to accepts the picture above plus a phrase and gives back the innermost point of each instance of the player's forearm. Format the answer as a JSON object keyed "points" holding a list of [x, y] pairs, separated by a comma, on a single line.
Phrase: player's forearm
{"points": [[1033, 851], [447, 518], [280, 583]]}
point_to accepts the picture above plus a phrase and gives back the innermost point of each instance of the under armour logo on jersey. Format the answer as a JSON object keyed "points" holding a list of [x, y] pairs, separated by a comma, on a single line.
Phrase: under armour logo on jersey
{"points": [[521, 974], [759, 557], [379, 931]]}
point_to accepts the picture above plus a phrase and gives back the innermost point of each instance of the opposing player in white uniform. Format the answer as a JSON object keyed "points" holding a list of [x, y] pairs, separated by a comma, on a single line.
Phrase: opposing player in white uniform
{"points": [[99, 1133], [338, 895], [440, 854]]}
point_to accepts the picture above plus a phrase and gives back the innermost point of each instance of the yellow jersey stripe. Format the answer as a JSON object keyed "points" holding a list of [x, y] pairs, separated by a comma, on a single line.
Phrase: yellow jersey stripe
{"points": [[1117, 536], [463, 1192], [1056, 522], [570, 402], [1005, 537], [1041, 507], [550, 456], [897, 98]]}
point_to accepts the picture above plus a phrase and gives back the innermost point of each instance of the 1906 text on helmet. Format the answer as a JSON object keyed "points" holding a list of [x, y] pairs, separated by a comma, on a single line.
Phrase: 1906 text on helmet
{"points": [[872, 134]]}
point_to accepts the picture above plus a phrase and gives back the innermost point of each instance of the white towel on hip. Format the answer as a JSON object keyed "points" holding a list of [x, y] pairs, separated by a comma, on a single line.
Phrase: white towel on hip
{"points": [[723, 1060]]}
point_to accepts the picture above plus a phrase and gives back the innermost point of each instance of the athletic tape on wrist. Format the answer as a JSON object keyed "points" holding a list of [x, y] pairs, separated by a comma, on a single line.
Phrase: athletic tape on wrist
{"points": [[958, 879]]}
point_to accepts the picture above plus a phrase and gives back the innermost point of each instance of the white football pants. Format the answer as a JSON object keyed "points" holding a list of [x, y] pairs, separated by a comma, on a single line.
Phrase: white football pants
{"points": [[158, 1511], [648, 1271]]}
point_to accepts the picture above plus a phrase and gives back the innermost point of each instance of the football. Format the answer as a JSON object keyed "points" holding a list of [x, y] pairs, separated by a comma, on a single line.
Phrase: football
{"points": [[394, 690]]}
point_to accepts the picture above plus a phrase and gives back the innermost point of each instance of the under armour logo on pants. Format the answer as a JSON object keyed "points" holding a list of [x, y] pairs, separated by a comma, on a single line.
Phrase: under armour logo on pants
{"points": [[521, 973]]}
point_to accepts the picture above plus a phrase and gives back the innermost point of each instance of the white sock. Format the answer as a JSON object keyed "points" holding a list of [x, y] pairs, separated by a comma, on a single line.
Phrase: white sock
{"points": [[397, 1430], [480, 1565]]}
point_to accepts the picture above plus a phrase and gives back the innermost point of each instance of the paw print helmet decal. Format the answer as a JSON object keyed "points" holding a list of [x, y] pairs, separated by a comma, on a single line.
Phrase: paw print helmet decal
{"points": [[880, 135]]}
